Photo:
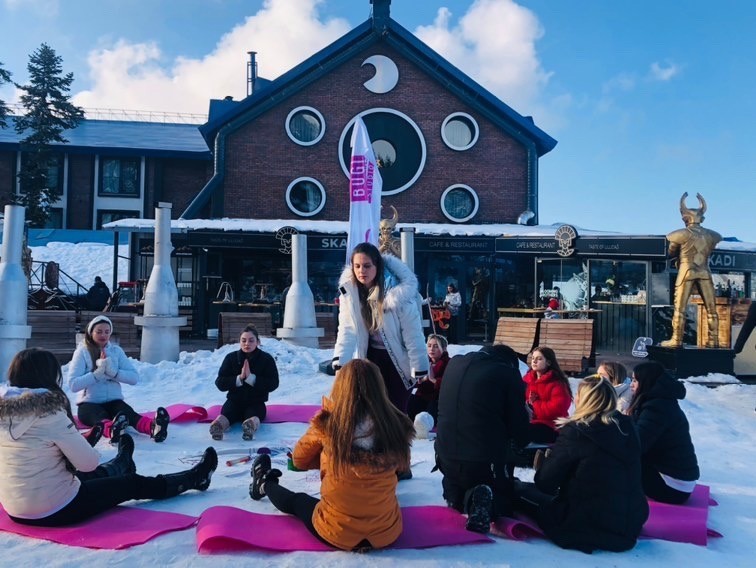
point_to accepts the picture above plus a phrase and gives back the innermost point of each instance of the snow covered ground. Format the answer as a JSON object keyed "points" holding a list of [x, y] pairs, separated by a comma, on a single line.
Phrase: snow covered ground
{"points": [[723, 425]]}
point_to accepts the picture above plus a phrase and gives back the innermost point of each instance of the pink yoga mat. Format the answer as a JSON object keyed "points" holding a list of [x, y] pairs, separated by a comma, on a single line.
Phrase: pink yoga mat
{"points": [[179, 413], [121, 527], [277, 413], [226, 529]]}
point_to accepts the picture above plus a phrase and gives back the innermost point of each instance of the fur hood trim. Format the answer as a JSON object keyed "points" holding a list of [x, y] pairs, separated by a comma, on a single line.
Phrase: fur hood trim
{"points": [[29, 403], [400, 282]]}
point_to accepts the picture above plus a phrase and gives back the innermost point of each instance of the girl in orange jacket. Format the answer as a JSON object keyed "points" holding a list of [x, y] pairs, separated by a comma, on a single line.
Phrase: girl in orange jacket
{"points": [[359, 440]]}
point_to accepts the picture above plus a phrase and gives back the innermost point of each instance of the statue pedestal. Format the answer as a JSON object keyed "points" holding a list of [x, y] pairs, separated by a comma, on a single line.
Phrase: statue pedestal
{"points": [[724, 311], [688, 361]]}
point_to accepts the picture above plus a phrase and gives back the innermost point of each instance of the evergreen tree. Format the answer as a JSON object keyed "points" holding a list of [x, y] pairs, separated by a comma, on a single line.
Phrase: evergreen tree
{"points": [[49, 113], [5, 77]]}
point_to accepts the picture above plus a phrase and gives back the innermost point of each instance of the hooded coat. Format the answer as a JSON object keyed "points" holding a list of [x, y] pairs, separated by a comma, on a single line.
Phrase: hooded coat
{"points": [[261, 364], [595, 471], [402, 329], [552, 398], [38, 446], [664, 431]]}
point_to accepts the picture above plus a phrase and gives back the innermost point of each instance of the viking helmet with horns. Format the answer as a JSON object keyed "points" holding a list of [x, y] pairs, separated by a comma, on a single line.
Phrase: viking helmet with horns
{"points": [[388, 225], [695, 216]]}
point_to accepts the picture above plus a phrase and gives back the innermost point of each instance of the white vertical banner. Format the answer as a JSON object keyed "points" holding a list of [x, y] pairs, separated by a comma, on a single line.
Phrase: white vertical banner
{"points": [[365, 186]]}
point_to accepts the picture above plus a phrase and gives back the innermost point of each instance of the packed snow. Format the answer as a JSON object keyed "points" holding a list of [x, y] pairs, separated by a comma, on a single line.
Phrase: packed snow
{"points": [[723, 424]]}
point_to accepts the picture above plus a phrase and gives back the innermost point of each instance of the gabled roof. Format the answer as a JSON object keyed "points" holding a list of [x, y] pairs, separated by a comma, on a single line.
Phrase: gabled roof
{"points": [[374, 31], [124, 139]]}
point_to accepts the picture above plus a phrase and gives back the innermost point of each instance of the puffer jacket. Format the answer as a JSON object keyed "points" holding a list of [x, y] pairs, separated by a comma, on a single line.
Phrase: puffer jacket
{"points": [[38, 441], [595, 468], [81, 378], [428, 390], [359, 505], [552, 397], [261, 364], [402, 330]]}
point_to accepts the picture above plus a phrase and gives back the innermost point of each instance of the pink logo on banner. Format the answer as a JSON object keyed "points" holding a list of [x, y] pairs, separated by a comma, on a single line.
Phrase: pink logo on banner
{"points": [[361, 182]]}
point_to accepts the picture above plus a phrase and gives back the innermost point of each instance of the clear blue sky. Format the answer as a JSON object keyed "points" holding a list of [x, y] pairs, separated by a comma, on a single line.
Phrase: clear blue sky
{"points": [[647, 99]]}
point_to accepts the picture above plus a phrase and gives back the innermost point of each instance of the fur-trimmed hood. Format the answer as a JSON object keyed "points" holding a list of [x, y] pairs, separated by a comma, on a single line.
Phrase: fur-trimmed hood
{"points": [[399, 281], [21, 407]]}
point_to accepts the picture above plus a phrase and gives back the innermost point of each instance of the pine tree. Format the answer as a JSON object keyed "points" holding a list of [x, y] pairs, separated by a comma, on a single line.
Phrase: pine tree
{"points": [[49, 113], [5, 77]]}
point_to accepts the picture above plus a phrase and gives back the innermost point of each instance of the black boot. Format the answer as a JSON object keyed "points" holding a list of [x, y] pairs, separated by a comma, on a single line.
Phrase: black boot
{"points": [[159, 426], [196, 478], [122, 464], [118, 427], [479, 509], [94, 434], [262, 474]]}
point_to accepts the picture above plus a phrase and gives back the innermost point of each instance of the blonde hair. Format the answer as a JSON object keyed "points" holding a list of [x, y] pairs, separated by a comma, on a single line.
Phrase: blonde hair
{"points": [[596, 398], [440, 339]]}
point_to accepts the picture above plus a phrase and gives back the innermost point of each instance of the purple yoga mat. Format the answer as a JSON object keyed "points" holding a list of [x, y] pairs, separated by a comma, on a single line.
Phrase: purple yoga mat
{"points": [[121, 527], [227, 529], [277, 413]]}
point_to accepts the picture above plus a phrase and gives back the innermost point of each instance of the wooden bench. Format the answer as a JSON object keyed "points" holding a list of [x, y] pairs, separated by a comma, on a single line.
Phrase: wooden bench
{"points": [[521, 334], [54, 331], [125, 332], [571, 340], [329, 321], [231, 324]]}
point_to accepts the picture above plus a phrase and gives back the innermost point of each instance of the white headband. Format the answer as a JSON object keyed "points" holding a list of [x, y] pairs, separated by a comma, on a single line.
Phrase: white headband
{"points": [[96, 320]]}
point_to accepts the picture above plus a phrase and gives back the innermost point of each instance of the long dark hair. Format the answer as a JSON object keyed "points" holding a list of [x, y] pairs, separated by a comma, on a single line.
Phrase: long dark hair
{"points": [[358, 396], [371, 300], [38, 369], [550, 356], [646, 374]]}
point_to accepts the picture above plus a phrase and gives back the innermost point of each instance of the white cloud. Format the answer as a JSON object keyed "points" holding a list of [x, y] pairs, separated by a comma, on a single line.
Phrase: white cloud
{"points": [[46, 8], [494, 43], [128, 75], [663, 71]]}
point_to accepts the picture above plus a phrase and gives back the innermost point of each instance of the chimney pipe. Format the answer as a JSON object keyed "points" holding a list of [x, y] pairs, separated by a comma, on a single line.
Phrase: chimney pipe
{"points": [[251, 72]]}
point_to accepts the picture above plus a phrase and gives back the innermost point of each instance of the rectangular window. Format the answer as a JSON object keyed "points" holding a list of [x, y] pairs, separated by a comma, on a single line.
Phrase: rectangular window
{"points": [[108, 216], [119, 177], [53, 172], [55, 221]]}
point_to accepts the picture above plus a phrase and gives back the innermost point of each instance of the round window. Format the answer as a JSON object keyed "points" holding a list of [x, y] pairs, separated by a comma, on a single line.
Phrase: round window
{"points": [[459, 131], [398, 144], [305, 126], [459, 203], [305, 196]]}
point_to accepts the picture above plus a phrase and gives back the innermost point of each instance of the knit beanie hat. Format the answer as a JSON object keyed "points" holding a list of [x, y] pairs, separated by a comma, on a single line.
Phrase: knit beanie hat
{"points": [[96, 320]]}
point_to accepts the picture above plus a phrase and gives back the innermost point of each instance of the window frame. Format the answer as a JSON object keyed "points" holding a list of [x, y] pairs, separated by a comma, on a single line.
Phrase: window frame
{"points": [[467, 118], [120, 193], [471, 191], [315, 182], [318, 115]]}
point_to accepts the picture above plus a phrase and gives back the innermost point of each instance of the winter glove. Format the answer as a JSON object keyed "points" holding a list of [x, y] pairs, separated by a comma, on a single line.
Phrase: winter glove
{"points": [[335, 364], [250, 380], [99, 371], [111, 367]]}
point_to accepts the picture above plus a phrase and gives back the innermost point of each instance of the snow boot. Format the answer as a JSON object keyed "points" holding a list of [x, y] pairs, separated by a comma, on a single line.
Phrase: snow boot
{"points": [[249, 427], [218, 427], [159, 425], [115, 428], [480, 509], [196, 478], [262, 474], [94, 434], [123, 463]]}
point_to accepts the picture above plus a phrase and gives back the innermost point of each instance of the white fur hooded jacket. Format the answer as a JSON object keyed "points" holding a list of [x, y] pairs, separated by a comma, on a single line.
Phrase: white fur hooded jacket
{"points": [[402, 329]]}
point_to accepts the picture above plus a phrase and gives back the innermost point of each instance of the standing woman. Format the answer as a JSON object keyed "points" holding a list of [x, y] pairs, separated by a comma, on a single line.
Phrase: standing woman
{"points": [[588, 493], [50, 473], [669, 464], [453, 302], [379, 319], [96, 371], [547, 393], [248, 375], [358, 441]]}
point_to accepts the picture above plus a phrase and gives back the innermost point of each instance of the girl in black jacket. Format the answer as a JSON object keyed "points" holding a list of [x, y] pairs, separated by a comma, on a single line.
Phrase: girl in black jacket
{"points": [[588, 493], [248, 375], [669, 465]]}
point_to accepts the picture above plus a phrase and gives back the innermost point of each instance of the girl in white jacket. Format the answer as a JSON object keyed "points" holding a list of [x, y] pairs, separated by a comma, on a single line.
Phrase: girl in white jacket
{"points": [[96, 371], [50, 473], [379, 320]]}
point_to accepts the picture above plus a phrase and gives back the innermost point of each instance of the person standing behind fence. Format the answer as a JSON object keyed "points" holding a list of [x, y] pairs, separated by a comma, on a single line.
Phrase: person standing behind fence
{"points": [[98, 295], [380, 320], [453, 303], [96, 371], [547, 393]]}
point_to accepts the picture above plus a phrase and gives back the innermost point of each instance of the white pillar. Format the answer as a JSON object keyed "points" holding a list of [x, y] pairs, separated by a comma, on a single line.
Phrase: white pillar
{"points": [[299, 327], [407, 235], [13, 290]]}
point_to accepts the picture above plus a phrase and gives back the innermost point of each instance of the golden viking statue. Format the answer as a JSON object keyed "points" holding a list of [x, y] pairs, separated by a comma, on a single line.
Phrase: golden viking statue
{"points": [[387, 242], [691, 247]]}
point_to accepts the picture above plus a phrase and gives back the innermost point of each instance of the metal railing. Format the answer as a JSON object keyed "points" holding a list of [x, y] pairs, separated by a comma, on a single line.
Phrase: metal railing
{"points": [[165, 117]]}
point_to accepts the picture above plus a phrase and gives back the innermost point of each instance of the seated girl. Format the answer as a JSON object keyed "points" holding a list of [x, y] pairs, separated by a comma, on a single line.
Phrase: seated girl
{"points": [[50, 473], [359, 441], [547, 393], [248, 375], [96, 371], [668, 460], [588, 493], [425, 396], [616, 373]]}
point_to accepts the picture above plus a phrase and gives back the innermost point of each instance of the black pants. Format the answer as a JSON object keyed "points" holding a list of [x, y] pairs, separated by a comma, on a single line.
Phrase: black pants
{"points": [[301, 505], [530, 500], [418, 404], [541, 434], [461, 477], [237, 411], [397, 390], [98, 495], [91, 413], [655, 487]]}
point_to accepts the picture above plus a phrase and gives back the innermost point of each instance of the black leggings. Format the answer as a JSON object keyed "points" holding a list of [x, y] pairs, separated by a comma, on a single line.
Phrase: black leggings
{"points": [[98, 495], [655, 487], [91, 413], [301, 505], [397, 390], [237, 411]]}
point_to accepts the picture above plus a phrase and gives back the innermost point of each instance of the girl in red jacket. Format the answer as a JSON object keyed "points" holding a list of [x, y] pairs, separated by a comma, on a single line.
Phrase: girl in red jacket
{"points": [[547, 393]]}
